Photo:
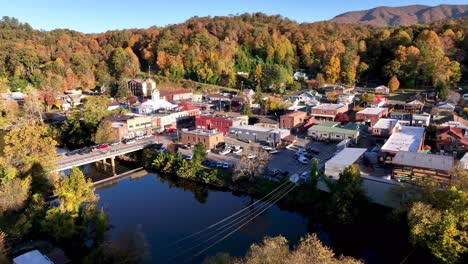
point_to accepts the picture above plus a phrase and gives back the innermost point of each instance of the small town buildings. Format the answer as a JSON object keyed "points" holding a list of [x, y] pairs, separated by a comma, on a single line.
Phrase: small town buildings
{"points": [[404, 138], [407, 166], [371, 115], [337, 90], [421, 120], [176, 95], [300, 76], [382, 89], [414, 106], [267, 122], [332, 131], [345, 98], [304, 97], [152, 105], [70, 100], [130, 126], [402, 116], [219, 97], [327, 112], [384, 127], [220, 123], [249, 133], [293, 120], [452, 139], [161, 122], [113, 106], [209, 138], [140, 87], [380, 101], [443, 107], [343, 159]]}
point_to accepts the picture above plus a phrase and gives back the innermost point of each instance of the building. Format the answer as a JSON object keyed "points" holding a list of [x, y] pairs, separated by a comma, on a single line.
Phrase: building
{"points": [[293, 120], [402, 116], [249, 133], [404, 138], [300, 76], [267, 122], [407, 166], [332, 131], [176, 95], [344, 158], [209, 138], [421, 120], [337, 90], [345, 98], [152, 105], [384, 127], [304, 97], [464, 162], [140, 87], [327, 112], [32, 257], [371, 115], [161, 122], [382, 89], [379, 101], [130, 126], [443, 107], [221, 123], [414, 106], [452, 139]]}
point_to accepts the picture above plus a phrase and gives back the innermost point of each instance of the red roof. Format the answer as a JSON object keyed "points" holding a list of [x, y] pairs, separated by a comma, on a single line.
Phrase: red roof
{"points": [[379, 99], [457, 132], [168, 93], [187, 107]]}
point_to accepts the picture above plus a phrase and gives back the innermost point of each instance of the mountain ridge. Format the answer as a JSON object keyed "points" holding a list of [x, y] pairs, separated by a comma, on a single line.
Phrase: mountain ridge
{"points": [[384, 16]]}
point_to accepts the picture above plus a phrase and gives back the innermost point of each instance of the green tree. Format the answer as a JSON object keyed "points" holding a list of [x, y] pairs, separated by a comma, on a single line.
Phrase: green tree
{"points": [[442, 88], [199, 154], [104, 133], [95, 109], [74, 190], [58, 224], [368, 98], [314, 173], [246, 110], [122, 91]]}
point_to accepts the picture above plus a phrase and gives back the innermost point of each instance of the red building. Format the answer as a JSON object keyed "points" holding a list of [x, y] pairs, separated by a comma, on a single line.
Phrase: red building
{"points": [[221, 123]]}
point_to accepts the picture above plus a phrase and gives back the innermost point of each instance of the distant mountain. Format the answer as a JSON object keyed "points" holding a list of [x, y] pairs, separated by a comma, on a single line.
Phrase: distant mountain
{"points": [[403, 15]]}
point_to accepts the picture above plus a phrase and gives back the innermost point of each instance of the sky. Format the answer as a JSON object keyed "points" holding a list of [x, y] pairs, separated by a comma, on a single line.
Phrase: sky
{"points": [[94, 16]]}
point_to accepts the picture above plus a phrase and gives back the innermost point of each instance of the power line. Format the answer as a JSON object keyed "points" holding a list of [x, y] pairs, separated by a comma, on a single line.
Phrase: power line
{"points": [[233, 231]]}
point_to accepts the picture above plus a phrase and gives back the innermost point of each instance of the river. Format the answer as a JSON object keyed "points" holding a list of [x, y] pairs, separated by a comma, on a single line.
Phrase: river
{"points": [[162, 212]]}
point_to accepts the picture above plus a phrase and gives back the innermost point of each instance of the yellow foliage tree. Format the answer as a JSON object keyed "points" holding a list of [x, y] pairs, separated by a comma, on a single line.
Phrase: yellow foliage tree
{"points": [[333, 69], [394, 84]]}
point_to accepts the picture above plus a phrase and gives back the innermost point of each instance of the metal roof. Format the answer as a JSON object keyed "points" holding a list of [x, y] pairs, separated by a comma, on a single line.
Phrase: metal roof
{"points": [[421, 160], [347, 156]]}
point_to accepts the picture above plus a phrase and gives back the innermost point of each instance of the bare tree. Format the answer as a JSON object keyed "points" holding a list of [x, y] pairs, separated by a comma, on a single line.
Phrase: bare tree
{"points": [[252, 167]]}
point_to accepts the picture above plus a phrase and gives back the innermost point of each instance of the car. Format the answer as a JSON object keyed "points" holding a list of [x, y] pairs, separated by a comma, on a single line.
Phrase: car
{"points": [[225, 151], [237, 151], [251, 156], [273, 151], [148, 136], [303, 160], [314, 150], [190, 146], [139, 138], [219, 164], [171, 130], [71, 153], [103, 146], [226, 165], [114, 143], [267, 148], [189, 157], [129, 141]]}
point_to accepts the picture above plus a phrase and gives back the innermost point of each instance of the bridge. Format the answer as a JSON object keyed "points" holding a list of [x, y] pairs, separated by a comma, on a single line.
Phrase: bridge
{"points": [[67, 162]]}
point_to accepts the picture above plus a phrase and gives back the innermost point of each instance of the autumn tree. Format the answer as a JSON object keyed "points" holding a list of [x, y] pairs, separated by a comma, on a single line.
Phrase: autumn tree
{"points": [[95, 109], [331, 97], [368, 98], [333, 69], [342, 118], [104, 133], [393, 84]]}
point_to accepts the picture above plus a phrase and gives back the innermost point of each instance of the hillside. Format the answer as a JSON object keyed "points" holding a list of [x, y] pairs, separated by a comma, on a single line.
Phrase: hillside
{"points": [[402, 16]]}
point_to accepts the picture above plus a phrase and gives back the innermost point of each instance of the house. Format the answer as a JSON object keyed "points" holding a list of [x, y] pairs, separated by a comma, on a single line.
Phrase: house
{"points": [[402, 116], [220, 123], [32, 257], [414, 106], [443, 107], [343, 159], [370, 116], [382, 89], [337, 90], [421, 120], [379, 101], [209, 138], [249, 133], [304, 97], [152, 105], [452, 139], [293, 120], [140, 87], [130, 126], [176, 95], [69, 101], [113, 106], [267, 122], [327, 112], [332, 131], [300, 76], [384, 127], [408, 166], [404, 138], [345, 98], [219, 97]]}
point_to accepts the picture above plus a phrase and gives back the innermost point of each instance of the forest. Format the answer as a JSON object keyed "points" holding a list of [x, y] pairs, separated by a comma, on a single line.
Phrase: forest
{"points": [[249, 50]]}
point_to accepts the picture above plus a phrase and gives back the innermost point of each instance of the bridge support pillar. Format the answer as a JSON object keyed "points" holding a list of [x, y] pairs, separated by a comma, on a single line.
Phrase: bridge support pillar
{"points": [[113, 165]]}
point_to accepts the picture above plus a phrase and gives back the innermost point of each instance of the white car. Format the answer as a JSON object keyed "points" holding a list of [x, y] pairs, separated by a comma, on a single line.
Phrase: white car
{"points": [[267, 148], [303, 160], [225, 151], [237, 151], [189, 157], [251, 156]]}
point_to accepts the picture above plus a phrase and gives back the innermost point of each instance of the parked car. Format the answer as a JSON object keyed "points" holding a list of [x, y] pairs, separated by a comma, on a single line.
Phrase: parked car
{"points": [[189, 157], [237, 151], [114, 143], [314, 150], [171, 130], [129, 141], [303, 160], [225, 151], [273, 151], [267, 148], [103, 146]]}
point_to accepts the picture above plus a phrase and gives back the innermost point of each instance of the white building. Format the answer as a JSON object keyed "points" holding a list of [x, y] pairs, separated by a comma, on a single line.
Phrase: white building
{"points": [[300, 75], [382, 89], [404, 138], [343, 159], [152, 105]]}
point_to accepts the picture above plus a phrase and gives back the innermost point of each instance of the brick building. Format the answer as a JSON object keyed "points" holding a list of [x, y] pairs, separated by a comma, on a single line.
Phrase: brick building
{"points": [[209, 138], [293, 119], [327, 112], [371, 115], [130, 126], [220, 122], [176, 95], [408, 166]]}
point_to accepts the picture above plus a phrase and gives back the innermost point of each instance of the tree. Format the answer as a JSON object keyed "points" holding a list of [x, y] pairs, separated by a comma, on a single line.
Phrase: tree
{"points": [[314, 173], [258, 74], [333, 69], [199, 154], [122, 91], [104, 133], [251, 168], [442, 88], [342, 118], [29, 145], [74, 190], [393, 84], [368, 98], [347, 195], [245, 110], [95, 109], [14, 191], [331, 96]]}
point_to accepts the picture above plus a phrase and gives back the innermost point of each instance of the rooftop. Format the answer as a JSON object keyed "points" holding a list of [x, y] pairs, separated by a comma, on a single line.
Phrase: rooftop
{"points": [[329, 106], [333, 129], [259, 129], [405, 139], [373, 111], [385, 123], [421, 160], [203, 132], [173, 92], [296, 114], [347, 156]]}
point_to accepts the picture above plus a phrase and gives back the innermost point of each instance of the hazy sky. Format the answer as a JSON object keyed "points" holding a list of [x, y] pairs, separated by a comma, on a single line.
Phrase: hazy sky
{"points": [[101, 15]]}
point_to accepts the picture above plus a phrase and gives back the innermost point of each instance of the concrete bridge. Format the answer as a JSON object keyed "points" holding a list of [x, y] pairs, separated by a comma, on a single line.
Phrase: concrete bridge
{"points": [[109, 153]]}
